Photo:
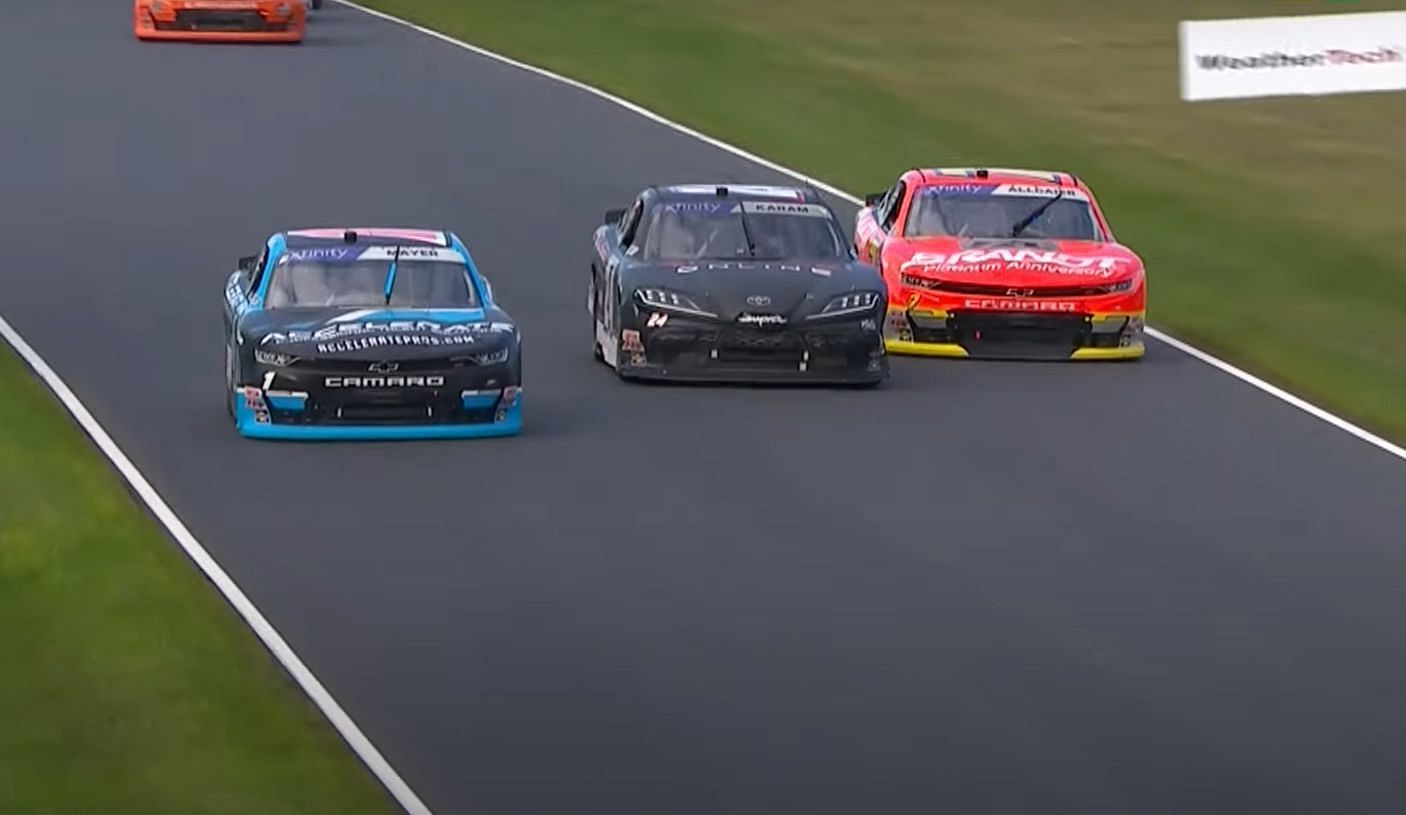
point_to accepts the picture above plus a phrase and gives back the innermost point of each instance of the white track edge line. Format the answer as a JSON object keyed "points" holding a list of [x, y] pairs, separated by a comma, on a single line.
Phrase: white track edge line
{"points": [[235, 596], [1196, 353]]}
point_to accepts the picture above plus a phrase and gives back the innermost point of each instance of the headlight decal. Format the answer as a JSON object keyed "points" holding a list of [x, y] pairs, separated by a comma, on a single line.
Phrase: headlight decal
{"points": [[852, 303], [671, 301], [273, 358], [491, 357]]}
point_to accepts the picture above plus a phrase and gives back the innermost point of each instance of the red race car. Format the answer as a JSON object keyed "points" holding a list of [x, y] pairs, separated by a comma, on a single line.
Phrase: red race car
{"points": [[221, 20], [1002, 264]]}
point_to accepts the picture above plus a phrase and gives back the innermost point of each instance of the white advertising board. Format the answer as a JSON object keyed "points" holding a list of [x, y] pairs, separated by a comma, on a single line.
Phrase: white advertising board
{"points": [[1286, 56]]}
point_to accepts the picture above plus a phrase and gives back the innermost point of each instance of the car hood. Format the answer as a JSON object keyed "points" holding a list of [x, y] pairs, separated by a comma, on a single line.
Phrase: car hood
{"points": [[1016, 261], [732, 288], [377, 334]]}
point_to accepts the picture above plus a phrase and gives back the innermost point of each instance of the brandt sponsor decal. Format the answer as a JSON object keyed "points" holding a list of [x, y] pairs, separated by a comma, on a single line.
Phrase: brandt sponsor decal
{"points": [[1282, 56], [978, 261]]}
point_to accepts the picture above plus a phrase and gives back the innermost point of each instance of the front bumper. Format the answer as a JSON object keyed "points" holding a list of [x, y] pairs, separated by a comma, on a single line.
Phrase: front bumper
{"points": [[689, 350], [304, 406], [221, 25], [1116, 335]]}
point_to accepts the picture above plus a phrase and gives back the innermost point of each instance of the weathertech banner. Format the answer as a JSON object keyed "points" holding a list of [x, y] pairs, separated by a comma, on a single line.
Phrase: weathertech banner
{"points": [[1286, 56]]}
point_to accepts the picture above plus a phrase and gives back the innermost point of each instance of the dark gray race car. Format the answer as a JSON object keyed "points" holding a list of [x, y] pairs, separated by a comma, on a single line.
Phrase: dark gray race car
{"points": [[729, 283]]}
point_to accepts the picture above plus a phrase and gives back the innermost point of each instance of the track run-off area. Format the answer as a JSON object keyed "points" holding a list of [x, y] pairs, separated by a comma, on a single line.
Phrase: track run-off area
{"points": [[983, 587]]}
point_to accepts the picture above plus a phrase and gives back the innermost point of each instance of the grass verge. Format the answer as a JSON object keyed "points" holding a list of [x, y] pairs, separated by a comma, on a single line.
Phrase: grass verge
{"points": [[127, 684], [1271, 227]]}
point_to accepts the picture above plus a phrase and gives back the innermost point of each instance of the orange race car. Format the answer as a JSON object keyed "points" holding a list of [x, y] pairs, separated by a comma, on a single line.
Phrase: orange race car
{"points": [[221, 20], [1002, 263]]}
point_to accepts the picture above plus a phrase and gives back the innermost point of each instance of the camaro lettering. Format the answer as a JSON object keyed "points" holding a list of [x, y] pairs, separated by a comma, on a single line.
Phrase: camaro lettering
{"points": [[384, 381], [1021, 305]]}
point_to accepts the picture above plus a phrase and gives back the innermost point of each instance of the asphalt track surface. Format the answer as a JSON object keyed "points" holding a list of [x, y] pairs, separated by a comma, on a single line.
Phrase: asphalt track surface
{"points": [[982, 588]]}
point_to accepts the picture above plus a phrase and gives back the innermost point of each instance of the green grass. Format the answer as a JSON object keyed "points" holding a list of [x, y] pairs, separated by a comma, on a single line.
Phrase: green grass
{"points": [[1273, 229], [126, 684]]}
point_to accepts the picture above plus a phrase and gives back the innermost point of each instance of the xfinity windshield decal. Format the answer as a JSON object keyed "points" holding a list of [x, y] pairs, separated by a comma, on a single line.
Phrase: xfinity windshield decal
{"points": [[701, 207], [327, 253], [958, 188]]}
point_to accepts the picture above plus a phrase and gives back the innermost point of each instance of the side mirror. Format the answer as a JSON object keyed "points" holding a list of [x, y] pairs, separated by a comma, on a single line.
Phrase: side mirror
{"points": [[873, 198], [613, 217]]}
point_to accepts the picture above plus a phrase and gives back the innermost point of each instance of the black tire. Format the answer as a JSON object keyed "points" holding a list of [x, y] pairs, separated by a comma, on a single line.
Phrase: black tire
{"points": [[594, 296], [316, 4], [618, 332], [596, 350], [229, 381]]}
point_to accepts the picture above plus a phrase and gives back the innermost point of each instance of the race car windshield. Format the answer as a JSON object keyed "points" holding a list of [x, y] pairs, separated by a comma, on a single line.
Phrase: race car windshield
{"points": [[727, 230], [988, 212], [363, 283]]}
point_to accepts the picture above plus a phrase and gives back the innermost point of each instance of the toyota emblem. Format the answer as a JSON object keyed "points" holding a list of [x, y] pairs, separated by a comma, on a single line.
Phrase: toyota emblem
{"points": [[759, 300], [383, 367]]}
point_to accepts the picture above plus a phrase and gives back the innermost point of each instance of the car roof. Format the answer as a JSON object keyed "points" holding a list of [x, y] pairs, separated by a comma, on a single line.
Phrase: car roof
{"points": [[366, 236], [739, 192], [999, 175]]}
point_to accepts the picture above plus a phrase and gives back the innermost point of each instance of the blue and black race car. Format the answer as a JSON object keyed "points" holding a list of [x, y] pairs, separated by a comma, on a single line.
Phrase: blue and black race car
{"points": [[369, 334]]}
